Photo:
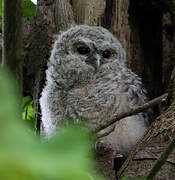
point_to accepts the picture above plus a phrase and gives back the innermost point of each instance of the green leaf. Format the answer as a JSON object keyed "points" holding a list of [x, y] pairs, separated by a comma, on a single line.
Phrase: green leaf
{"points": [[132, 178], [27, 100], [23, 155], [28, 112], [29, 9]]}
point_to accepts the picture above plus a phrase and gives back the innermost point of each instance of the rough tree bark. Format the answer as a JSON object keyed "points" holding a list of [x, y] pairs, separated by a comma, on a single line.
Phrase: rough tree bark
{"points": [[153, 144], [146, 30], [162, 129]]}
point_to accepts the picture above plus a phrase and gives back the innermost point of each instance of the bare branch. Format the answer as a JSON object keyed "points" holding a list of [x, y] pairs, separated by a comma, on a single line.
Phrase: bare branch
{"points": [[143, 108], [105, 132]]}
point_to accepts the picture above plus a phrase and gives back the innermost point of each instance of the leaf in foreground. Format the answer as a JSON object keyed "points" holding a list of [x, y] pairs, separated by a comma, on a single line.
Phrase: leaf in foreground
{"points": [[23, 156], [132, 178]]}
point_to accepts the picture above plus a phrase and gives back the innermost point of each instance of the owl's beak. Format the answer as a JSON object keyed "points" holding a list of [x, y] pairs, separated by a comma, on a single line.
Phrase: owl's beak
{"points": [[97, 62], [94, 60]]}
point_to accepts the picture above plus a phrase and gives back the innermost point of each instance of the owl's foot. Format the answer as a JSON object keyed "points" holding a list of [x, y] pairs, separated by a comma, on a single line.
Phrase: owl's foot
{"points": [[103, 148]]}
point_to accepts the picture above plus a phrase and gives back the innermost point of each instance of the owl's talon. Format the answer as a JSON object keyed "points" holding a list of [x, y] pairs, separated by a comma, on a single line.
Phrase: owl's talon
{"points": [[103, 148]]}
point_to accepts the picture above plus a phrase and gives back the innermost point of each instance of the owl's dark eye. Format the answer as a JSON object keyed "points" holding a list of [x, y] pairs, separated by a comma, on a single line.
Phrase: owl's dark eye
{"points": [[83, 50], [106, 54]]}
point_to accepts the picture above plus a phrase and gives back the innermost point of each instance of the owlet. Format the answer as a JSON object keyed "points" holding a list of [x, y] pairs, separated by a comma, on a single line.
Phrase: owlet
{"points": [[87, 81]]}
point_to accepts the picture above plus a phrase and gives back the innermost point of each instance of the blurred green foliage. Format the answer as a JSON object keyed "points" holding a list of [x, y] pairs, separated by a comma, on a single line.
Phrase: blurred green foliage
{"points": [[133, 179], [0, 13], [24, 156]]}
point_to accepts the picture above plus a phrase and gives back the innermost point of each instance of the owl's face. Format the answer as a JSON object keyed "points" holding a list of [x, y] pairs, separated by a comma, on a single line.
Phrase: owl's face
{"points": [[93, 45], [83, 51]]}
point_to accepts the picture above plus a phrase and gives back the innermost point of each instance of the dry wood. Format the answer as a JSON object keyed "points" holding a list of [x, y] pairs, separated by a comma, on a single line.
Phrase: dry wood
{"points": [[63, 15], [89, 12], [162, 160]]}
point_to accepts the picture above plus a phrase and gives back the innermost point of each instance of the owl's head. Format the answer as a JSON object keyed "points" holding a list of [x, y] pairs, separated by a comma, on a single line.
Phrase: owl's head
{"points": [[94, 46]]}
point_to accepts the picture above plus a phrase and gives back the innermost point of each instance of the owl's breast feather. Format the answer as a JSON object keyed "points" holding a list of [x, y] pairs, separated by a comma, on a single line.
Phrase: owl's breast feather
{"points": [[96, 102]]}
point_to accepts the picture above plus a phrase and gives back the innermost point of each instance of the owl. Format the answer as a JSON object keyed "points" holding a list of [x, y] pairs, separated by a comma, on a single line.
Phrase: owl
{"points": [[87, 81]]}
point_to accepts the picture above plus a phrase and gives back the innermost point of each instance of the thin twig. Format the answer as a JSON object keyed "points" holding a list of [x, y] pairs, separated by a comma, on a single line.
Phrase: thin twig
{"points": [[162, 160], [143, 108], [105, 132]]}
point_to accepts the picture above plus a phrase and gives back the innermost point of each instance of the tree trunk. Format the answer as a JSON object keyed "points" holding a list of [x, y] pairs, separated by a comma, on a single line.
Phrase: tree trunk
{"points": [[162, 130], [89, 12], [12, 41]]}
